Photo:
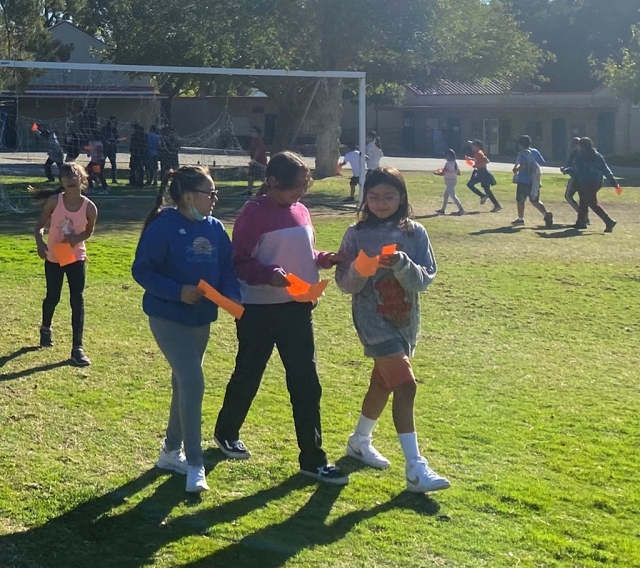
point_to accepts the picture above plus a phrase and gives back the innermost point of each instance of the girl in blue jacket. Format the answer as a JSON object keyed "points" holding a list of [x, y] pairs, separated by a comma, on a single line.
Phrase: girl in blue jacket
{"points": [[179, 246]]}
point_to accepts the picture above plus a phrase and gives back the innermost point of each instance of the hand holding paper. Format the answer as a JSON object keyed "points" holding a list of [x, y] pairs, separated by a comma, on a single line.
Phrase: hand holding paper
{"points": [[367, 266], [618, 190], [64, 254], [470, 162], [302, 291], [236, 310]]}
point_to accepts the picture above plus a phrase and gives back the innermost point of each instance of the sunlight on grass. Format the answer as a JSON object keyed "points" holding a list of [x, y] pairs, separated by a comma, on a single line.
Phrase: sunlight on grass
{"points": [[528, 402]]}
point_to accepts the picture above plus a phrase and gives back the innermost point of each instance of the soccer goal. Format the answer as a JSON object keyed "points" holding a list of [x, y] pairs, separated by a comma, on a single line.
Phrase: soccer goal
{"points": [[50, 111]]}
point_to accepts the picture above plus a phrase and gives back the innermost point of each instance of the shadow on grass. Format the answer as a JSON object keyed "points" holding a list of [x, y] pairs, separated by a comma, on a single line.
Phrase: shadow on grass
{"points": [[105, 532], [563, 234], [32, 371], [23, 350], [497, 231]]}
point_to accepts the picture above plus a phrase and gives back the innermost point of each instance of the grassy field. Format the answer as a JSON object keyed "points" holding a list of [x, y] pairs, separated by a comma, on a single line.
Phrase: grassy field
{"points": [[528, 401]]}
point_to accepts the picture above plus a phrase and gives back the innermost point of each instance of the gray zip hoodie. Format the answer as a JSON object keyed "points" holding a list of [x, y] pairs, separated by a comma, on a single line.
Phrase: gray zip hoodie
{"points": [[386, 306]]}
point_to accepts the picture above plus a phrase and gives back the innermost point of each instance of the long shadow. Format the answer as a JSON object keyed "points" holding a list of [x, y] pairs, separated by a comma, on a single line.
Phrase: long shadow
{"points": [[497, 231], [566, 233], [273, 546], [95, 534], [32, 370], [4, 360]]}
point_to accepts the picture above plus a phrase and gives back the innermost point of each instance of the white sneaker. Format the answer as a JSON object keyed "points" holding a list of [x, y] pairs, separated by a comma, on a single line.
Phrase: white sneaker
{"points": [[359, 447], [421, 478], [173, 461], [196, 480]]}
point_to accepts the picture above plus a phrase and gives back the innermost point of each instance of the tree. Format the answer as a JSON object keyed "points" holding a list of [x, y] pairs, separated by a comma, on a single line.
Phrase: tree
{"points": [[396, 42], [623, 75], [23, 35], [574, 31]]}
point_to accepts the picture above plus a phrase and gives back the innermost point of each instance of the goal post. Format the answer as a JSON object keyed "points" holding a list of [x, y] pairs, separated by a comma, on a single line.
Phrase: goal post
{"points": [[165, 69]]}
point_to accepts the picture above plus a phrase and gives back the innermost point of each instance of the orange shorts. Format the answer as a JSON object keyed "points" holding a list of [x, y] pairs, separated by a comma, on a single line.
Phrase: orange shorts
{"points": [[392, 371]]}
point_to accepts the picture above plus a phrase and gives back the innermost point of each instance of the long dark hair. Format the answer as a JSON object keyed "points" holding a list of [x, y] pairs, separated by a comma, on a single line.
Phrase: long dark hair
{"points": [[68, 169], [285, 168], [373, 134], [402, 216], [180, 181], [586, 144]]}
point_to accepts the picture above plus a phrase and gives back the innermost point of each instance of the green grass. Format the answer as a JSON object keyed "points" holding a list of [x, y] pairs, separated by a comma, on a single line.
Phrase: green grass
{"points": [[528, 402]]}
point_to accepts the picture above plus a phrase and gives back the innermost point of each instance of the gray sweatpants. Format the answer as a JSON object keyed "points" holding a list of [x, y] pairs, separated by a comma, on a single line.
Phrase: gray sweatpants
{"points": [[184, 348], [450, 193]]}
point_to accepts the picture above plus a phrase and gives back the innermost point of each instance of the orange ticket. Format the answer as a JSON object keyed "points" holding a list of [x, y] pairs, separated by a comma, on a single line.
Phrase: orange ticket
{"points": [[302, 291], [233, 308], [297, 286], [389, 249], [64, 254], [366, 265]]}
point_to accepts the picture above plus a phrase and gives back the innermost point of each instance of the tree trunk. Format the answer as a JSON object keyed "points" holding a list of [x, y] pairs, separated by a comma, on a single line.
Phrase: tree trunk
{"points": [[327, 115]]}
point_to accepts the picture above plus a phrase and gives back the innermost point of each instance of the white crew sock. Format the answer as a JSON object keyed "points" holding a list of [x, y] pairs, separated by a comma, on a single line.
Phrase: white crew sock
{"points": [[409, 443], [365, 426]]}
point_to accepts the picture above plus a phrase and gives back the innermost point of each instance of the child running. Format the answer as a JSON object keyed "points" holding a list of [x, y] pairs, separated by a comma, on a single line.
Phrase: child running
{"points": [[526, 175], [71, 218], [178, 247], [273, 236], [572, 188], [482, 176], [450, 172], [386, 314]]}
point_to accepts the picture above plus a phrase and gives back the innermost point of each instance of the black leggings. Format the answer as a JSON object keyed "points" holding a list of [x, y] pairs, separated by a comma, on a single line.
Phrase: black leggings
{"points": [[54, 275]]}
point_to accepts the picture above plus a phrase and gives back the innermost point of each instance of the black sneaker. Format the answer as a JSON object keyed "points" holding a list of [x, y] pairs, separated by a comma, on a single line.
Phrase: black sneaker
{"points": [[610, 225], [78, 358], [327, 474], [548, 219], [232, 449], [45, 338], [580, 226]]}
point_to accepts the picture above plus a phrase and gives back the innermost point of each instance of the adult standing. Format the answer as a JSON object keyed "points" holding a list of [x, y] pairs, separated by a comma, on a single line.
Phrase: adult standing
{"points": [[137, 149], [257, 159], [111, 136]]}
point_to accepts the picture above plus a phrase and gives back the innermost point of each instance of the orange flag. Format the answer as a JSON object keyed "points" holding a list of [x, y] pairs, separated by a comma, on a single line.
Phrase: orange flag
{"points": [[233, 308], [366, 265], [64, 254], [302, 291], [34, 127], [469, 162]]}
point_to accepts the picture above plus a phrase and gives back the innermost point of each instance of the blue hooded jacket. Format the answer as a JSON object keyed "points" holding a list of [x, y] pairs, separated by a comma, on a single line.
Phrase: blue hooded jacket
{"points": [[175, 251]]}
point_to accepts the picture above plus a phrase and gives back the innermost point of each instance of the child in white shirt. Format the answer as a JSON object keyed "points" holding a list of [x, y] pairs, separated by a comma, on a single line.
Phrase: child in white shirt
{"points": [[450, 172], [352, 157]]}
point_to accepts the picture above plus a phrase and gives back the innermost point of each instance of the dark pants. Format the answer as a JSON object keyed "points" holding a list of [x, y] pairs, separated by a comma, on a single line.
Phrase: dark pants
{"points": [[54, 275], [112, 153], [96, 171], [47, 168], [289, 327], [484, 178], [136, 171], [588, 193]]}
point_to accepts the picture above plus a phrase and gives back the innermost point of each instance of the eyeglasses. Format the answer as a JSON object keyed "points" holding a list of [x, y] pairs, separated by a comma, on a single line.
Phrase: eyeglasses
{"points": [[211, 194]]}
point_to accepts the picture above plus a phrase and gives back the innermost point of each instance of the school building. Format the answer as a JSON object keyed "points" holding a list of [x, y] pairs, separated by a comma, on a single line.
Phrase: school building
{"points": [[451, 113]]}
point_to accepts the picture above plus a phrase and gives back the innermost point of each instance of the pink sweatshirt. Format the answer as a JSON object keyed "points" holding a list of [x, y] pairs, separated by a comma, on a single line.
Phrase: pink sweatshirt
{"points": [[267, 236]]}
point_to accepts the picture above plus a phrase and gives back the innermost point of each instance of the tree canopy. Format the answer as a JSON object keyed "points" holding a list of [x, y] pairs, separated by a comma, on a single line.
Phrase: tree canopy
{"points": [[623, 74]]}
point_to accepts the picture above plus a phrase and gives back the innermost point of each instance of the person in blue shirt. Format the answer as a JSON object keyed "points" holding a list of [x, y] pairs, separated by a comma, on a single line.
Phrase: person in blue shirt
{"points": [[179, 246], [527, 177], [587, 172], [153, 155]]}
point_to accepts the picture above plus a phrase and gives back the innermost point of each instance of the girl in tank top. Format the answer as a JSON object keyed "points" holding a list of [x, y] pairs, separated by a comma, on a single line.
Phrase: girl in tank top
{"points": [[71, 218]]}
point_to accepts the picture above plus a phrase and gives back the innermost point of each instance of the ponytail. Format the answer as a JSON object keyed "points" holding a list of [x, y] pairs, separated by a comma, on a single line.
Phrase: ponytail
{"points": [[44, 194], [159, 202]]}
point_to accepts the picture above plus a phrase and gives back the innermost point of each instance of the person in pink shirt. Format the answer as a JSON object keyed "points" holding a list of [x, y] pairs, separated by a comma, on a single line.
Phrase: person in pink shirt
{"points": [[71, 218], [272, 237]]}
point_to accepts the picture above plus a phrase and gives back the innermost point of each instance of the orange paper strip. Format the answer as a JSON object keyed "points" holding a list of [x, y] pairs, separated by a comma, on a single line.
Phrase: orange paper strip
{"points": [[389, 249], [618, 190], [297, 286], [64, 254], [366, 265], [236, 310], [315, 291], [469, 162], [34, 127]]}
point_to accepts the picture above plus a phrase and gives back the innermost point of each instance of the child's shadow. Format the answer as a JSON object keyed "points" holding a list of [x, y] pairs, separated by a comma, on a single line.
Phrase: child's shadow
{"points": [[4, 360]]}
